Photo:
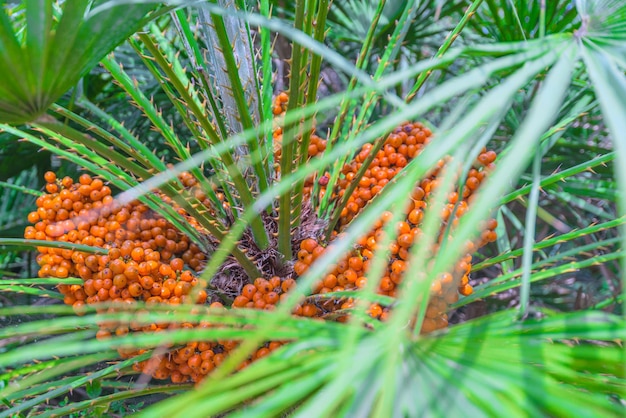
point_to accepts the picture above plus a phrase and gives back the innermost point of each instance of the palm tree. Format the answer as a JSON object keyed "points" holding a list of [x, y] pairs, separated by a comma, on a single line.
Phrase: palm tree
{"points": [[512, 75]]}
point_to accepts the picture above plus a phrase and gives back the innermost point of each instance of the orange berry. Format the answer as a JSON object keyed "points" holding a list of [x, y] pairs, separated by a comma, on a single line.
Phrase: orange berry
{"points": [[262, 285], [308, 245], [375, 311], [287, 285], [330, 281], [240, 301], [386, 284], [248, 291], [275, 283], [300, 268], [415, 216], [309, 310], [262, 352], [350, 275], [466, 290], [403, 228], [85, 179], [360, 282], [50, 176], [405, 240], [33, 217], [62, 272], [54, 231], [137, 254], [206, 367], [451, 297], [398, 266], [446, 279], [271, 298], [355, 263]]}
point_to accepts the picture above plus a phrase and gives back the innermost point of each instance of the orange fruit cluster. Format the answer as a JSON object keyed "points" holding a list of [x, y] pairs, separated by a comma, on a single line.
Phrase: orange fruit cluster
{"points": [[195, 360], [316, 145], [146, 254], [402, 145], [280, 103], [150, 260], [266, 294], [263, 294]]}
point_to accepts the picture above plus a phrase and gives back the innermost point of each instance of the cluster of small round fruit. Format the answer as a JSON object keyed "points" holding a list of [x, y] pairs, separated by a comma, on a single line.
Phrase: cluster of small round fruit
{"points": [[146, 259], [316, 144], [265, 294], [195, 360], [145, 255], [402, 145], [149, 260]]}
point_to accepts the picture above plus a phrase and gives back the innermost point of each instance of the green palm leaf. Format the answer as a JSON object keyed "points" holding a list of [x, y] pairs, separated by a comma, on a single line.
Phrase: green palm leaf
{"points": [[486, 367], [57, 50]]}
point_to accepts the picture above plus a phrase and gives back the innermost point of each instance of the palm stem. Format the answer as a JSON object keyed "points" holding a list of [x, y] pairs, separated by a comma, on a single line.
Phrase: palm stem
{"points": [[290, 133], [314, 73], [238, 92]]}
